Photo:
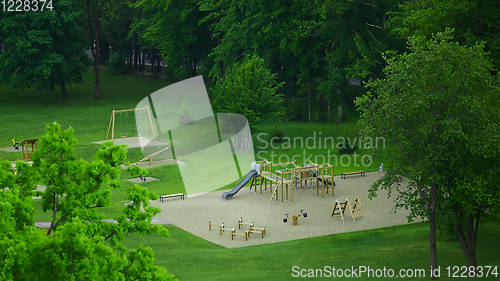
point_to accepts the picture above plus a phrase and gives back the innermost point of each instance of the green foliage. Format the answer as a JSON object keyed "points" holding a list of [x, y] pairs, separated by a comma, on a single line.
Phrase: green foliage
{"points": [[472, 20], [78, 244], [440, 105], [174, 28], [117, 64], [349, 144], [277, 133], [306, 43], [43, 48], [249, 89]]}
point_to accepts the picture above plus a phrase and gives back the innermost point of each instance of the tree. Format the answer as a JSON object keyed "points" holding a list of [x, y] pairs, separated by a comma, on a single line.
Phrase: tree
{"points": [[79, 244], [249, 89], [309, 44], [472, 21], [439, 105], [43, 48], [97, 11], [357, 36], [173, 26]]}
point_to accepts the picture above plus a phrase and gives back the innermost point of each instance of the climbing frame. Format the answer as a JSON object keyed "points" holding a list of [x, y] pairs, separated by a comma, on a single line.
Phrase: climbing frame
{"points": [[339, 208], [356, 207]]}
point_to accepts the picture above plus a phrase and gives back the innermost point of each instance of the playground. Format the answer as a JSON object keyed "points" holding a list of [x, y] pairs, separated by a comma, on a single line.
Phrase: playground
{"points": [[194, 213]]}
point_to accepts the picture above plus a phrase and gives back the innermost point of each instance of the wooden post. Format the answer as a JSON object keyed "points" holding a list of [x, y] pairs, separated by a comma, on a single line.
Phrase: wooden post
{"points": [[113, 130], [110, 124], [281, 179], [340, 207], [150, 123]]}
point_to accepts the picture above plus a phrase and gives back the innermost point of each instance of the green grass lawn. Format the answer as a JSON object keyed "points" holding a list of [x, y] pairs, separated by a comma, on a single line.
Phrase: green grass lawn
{"points": [[24, 114], [401, 247]]}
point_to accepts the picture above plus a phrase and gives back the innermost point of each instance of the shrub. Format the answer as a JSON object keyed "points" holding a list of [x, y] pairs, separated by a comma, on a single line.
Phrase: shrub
{"points": [[350, 144], [117, 64], [277, 133]]}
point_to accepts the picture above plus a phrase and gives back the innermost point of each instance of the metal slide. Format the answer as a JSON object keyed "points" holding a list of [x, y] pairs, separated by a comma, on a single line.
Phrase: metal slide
{"points": [[245, 180]]}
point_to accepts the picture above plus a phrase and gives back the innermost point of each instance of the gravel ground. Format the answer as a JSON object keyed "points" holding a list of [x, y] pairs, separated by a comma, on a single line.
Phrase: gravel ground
{"points": [[156, 163], [134, 142], [138, 180], [194, 213]]}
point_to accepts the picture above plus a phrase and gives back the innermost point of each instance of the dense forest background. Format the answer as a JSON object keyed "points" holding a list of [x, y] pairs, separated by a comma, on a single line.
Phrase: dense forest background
{"points": [[321, 53]]}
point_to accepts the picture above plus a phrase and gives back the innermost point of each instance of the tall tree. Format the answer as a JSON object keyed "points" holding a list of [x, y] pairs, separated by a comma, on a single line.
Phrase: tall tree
{"points": [[249, 89], [306, 43], [43, 47], [440, 105], [97, 11], [356, 36], [79, 244], [472, 20], [173, 27]]}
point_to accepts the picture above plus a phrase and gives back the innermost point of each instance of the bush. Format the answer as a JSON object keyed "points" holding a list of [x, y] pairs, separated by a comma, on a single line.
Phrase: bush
{"points": [[117, 64], [277, 133], [350, 144]]}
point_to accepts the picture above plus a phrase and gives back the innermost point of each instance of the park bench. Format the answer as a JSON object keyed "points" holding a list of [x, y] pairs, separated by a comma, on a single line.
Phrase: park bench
{"points": [[362, 173], [171, 196]]}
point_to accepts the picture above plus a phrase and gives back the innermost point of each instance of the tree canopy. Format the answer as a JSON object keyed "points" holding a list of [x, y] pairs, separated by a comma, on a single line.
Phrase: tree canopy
{"points": [[79, 244], [440, 105], [43, 48], [249, 89]]}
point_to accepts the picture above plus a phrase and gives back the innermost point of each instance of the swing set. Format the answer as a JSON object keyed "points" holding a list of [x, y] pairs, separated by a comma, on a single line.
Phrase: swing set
{"points": [[140, 121]]}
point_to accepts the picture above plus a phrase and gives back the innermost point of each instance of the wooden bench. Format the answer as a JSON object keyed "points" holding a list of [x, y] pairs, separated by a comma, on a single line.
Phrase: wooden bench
{"points": [[362, 173], [171, 196]]}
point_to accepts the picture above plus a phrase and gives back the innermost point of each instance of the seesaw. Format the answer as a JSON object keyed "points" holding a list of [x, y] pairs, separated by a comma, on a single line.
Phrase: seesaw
{"points": [[150, 157], [295, 218]]}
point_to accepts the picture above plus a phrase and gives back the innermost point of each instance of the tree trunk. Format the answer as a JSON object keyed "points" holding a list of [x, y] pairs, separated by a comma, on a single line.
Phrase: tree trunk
{"points": [[330, 116], [194, 65], [97, 94], [468, 241], [158, 65], [432, 235], [340, 112], [51, 84], [309, 95], [143, 61], [64, 94], [94, 30], [135, 58], [321, 107]]}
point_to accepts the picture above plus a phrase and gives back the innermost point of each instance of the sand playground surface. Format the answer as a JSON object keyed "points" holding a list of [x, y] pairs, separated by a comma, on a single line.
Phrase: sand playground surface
{"points": [[134, 142], [193, 213]]}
